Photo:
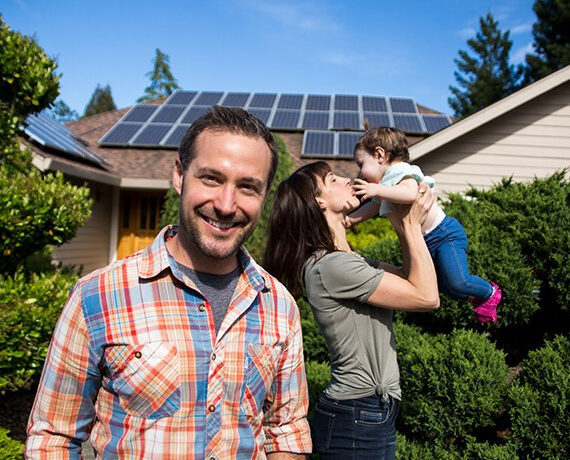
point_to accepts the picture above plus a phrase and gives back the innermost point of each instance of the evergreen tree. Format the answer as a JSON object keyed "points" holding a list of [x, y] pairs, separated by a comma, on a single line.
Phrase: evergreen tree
{"points": [[162, 82], [62, 112], [551, 39], [101, 101], [487, 76]]}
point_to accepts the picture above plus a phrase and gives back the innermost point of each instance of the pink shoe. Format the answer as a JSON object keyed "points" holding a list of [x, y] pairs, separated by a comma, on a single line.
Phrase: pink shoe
{"points": [[486, 310]]}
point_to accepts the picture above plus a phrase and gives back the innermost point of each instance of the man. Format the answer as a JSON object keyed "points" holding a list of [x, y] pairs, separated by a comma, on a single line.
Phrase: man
{"points": [[187, 349]]}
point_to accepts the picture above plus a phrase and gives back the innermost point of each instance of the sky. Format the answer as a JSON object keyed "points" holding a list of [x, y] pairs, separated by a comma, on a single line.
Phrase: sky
{"points": [[388, 48]]}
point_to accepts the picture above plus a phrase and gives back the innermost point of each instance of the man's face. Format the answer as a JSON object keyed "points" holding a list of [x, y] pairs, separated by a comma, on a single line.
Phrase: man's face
{"points": [[222, 193]]}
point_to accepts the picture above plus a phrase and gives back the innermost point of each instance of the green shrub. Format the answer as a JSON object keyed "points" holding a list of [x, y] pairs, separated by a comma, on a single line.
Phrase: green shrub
{"points": [[29, 308], [453, 385], [10, 449], [314, 343], [540, 402], [318, 377], [370, 232]]}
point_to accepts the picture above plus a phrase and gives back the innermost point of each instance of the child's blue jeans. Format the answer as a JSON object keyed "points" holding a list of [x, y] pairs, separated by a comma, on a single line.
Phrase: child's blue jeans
{"points": [[447, 244]]}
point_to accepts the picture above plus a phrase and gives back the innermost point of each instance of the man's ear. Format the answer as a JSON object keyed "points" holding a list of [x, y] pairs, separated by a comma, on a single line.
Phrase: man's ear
{"points": [[380, 154], [177, 176]]}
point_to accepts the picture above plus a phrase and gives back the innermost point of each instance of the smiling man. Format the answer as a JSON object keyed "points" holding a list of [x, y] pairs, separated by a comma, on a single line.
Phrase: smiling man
{"points": [[187, 349]]}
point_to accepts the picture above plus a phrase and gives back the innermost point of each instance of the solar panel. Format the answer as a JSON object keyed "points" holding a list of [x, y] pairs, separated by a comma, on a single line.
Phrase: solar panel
{"points": [[377, 119], [235, 100], [262, 114], [121, 133], [346, 143], [344, 102], [168, 114], [374, 104], [140, 113], [176, 136], [208, 98], [408, 123], [316, 120], [435, 122], [48, 132], [318, 143], [151, 135], [181, 97], [286, 119], [315, 102], [346, 120], [402, 105], [193, 114], [263, 100], [290, 101]]}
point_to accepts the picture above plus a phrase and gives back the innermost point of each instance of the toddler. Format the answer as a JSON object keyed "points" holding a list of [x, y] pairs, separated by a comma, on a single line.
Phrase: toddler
{"points": [[382, 155]]}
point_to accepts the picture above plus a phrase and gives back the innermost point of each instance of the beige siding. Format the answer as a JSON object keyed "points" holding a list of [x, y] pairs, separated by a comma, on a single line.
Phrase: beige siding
{"points": [[89, 248], [532, 140]]}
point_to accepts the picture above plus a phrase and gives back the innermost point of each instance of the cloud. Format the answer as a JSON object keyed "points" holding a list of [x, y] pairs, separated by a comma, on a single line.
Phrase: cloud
{"points": [[519, 55], [467, 32], [521, 29], [307, 16], [368, 63]]}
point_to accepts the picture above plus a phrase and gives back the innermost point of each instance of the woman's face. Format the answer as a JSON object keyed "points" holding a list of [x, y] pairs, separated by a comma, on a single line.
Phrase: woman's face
{"points": [[337, 195]]}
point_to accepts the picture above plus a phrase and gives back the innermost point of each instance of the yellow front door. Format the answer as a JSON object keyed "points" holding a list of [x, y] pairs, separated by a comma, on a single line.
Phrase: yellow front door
{"points": [[139, 215]]}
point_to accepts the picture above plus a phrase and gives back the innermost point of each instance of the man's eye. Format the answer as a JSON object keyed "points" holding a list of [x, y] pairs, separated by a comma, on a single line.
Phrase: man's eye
{"points": [[210, 179]]}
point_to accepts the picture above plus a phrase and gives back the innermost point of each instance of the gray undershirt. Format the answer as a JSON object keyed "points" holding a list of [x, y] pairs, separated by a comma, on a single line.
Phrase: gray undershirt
{"points": [[217, 289]]}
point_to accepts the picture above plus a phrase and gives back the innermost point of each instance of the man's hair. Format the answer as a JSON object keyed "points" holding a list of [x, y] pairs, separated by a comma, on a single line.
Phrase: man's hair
{"points": [[392, 140], [232, 120], [297, 226]]}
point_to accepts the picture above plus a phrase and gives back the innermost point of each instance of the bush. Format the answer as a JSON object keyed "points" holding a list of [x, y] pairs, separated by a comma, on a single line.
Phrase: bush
{"points": [[10, 449], [370, 232], [540, 402], [29, 308], [314, 344], [453, 385], [318, 377]]}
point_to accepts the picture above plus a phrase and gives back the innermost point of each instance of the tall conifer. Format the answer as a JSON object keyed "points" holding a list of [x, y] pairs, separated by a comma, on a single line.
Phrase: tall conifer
{"points": [[162, 82], [101, 101]]}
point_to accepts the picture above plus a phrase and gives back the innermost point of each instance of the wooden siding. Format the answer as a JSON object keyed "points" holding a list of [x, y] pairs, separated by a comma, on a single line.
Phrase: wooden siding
{"points": [[532, 140], [89, 249]]}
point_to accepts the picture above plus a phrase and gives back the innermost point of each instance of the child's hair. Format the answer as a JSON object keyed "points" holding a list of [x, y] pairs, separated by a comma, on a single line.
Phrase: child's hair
{"points": [[392, 140]]}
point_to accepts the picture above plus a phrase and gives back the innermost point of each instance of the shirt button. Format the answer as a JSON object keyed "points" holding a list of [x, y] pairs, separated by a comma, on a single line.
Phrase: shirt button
{"points": [[212, 408], [202, 307], [213, 356], [138, 354]]}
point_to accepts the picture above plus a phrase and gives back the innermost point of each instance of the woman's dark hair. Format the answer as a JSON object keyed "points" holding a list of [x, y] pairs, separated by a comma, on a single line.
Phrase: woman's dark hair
{"points": [[392, 140], [297, 226]]}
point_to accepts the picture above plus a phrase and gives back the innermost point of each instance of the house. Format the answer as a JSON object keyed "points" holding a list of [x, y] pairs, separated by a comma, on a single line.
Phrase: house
{"points": [[523, 136], [126, 156]]}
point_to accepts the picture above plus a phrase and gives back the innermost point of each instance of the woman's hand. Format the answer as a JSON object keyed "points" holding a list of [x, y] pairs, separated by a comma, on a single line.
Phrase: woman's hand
{"points": [[414, 214]]}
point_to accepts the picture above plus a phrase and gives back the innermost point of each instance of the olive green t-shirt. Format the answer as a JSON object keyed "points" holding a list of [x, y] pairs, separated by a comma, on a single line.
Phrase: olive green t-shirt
{"points": [[359, 336]]}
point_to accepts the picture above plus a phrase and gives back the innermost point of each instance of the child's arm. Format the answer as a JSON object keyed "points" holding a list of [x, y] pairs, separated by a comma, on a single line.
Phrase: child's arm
{"points": [[363, 213], [404, 192]]}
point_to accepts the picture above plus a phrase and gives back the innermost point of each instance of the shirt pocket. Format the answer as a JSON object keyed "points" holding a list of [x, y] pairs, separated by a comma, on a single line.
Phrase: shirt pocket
{"points": [[145, 378], [259, 377]]}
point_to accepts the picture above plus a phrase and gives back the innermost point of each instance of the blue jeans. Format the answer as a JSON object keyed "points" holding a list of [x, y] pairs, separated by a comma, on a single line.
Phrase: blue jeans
{"points": [[355, 428], [447, 244]]}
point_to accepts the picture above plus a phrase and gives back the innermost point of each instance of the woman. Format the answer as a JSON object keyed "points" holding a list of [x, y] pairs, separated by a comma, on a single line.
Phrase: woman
{"points": [[353, 301]]}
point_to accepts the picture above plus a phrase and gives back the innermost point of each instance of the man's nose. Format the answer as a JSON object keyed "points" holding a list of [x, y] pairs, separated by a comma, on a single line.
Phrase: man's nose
{"points": [[225, 202]]}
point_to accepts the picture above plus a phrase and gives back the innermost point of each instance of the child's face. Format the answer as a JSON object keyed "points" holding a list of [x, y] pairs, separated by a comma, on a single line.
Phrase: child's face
{"points": [[370, 168]]}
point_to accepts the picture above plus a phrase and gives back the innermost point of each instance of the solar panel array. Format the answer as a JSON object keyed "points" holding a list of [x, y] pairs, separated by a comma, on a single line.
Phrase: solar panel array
{"points": [[163, 126], [50, 133]]}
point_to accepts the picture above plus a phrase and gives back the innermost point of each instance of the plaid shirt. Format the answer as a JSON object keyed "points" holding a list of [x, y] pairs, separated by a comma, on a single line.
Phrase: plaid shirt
{"points": [[136, 364]]}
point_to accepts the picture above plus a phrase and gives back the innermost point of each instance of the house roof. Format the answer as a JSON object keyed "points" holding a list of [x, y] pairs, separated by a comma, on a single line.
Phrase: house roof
{"points": [[489, 113]]}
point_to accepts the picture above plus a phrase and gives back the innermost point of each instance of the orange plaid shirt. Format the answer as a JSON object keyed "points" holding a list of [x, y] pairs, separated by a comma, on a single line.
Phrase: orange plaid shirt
{"points": [[135, 364]]}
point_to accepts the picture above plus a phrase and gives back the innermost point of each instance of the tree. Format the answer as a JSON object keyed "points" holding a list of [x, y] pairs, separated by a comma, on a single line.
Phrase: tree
{"points": [[551, 39], [101, 101], [486, 77], [162, 82], [62, 112]]}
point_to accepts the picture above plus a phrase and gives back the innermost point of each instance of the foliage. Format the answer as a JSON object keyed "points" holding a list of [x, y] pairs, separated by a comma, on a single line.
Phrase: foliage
{"points": [[29, 307], [101, 101], [35, 211], [314, 344], [62, 112], [169, 211], [487, 76], [454, 384], [162, 82], [318, 377], [540, 402], [369, 233], [10, 449], [551, 34]]}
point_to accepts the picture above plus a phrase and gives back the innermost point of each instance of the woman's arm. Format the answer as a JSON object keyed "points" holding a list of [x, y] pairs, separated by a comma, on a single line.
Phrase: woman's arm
{"points": [[405, 191], [417, 289]]}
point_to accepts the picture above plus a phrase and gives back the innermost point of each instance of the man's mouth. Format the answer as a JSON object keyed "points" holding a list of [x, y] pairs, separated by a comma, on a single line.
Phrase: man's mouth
{"points": [[221, 225]]}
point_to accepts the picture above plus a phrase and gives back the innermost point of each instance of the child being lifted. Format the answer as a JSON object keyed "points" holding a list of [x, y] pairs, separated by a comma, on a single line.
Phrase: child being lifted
{"points": [[382, 155]]}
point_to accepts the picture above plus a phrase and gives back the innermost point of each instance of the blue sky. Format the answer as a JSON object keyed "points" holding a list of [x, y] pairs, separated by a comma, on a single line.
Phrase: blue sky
{"points": [[390, 48]]}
